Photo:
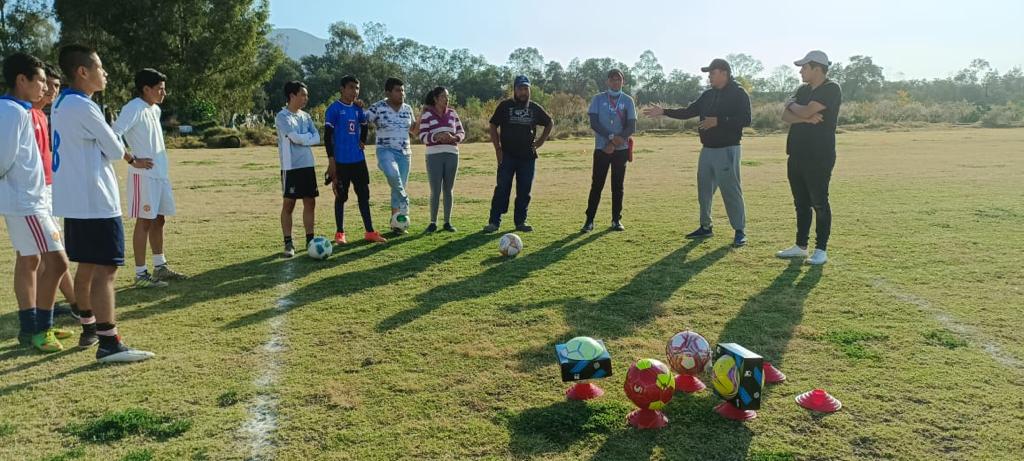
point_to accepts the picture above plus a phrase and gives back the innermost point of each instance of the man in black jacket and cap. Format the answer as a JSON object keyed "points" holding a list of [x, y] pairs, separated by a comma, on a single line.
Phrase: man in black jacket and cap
{"points": [[724, 111]]}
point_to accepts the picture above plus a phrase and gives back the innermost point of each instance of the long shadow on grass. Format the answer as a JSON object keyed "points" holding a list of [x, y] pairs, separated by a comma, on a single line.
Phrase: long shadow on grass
{"points": [[766, 322], [627, 309], [500, 276], [236, 279], [694, 431], [353, 282]]}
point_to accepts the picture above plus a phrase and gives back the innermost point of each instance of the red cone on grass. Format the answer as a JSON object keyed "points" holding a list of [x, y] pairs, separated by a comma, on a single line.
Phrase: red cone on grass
{"points": [[584, 391], [728, 411], [772, 375], [818, 400], [689, 384]]}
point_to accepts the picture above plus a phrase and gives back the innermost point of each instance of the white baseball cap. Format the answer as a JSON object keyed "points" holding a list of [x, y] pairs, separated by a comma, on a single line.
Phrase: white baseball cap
{"points": [[814, 56]]}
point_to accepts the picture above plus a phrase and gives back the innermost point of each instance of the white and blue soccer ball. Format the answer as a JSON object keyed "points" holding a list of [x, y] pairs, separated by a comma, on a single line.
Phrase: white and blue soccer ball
{"points": [[320, 248], [510, 245]]}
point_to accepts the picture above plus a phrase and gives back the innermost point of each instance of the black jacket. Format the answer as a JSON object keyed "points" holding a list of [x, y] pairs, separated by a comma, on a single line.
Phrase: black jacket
{"points": [[732, 107]]}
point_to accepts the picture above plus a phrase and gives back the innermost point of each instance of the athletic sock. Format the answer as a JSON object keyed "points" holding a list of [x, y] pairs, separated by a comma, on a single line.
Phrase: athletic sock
{"points": [[107, 333], [287, 240], [309, 238], [159, 260], [139, 270], [27, 319], [44, 319]]}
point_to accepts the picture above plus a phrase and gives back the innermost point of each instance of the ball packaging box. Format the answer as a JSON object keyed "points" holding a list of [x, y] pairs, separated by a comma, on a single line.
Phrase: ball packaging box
{"points": [[749, 375], [591, 368]]}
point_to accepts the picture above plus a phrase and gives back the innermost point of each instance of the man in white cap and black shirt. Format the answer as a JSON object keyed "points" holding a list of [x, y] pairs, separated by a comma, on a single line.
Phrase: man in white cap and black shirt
{"points": [[813, 114], [724, 111]]}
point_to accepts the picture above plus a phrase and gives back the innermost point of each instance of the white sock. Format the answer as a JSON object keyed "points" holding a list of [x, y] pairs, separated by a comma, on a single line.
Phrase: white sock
{"points": [[159, 260], [139, 270]]}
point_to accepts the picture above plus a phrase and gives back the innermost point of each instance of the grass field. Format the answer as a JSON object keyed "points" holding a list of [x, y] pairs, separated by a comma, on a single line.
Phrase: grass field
{"points": [[433, 347]]}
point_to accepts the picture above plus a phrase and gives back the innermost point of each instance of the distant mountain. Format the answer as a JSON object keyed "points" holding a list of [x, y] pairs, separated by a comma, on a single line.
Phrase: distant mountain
{"points": [[297, 43]]}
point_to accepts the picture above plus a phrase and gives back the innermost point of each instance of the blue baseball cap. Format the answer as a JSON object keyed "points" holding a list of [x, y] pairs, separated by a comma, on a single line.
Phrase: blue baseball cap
{"points": [[522, 80]]}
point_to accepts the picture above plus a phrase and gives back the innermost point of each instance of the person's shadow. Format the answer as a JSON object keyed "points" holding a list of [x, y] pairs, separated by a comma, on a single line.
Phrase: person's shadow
{"points": [[628, 308], [502, 274], [354, 282]]}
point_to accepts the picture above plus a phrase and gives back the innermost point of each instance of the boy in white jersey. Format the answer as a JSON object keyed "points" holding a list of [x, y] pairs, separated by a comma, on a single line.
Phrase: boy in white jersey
{"points": [[86, 195], [295, 134], [32, 230], [150, 198]]}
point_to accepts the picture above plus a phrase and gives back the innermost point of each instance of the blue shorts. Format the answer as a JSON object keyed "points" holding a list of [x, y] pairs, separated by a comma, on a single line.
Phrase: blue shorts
{"points": [[95, 241]]}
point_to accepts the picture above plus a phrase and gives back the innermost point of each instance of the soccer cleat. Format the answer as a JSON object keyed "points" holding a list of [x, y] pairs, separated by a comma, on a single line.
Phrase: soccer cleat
{"points": [[491, 227], [792, 252], [431, 228], [289, 250], [339, 238], [587, 227], [740, 239], [818, 258], [617, 226], [701, 232], [375, 237], [448, 227], [144, 280], [46, 341], [88, 336], [62, 333], [121, 353], [163, 272], [524, 227]]}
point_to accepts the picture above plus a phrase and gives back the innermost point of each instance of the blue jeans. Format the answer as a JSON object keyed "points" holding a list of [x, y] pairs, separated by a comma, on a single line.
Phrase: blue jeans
{"points": [[394, 163], [522, 169]]}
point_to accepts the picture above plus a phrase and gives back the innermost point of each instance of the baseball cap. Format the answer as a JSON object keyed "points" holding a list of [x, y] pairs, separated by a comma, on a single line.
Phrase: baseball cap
{"points": [[522, 80], [719, 64], [814, 56]]}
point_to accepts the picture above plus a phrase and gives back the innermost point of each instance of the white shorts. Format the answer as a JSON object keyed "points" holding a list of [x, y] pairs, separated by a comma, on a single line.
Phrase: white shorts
{"points": [[149, 197], [33, 235]]}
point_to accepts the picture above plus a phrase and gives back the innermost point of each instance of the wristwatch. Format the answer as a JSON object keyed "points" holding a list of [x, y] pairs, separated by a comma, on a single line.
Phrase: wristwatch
{"points": [[131, 161]]}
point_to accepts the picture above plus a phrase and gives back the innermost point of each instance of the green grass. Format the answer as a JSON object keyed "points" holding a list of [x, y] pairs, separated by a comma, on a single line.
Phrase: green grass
{"points": [[434, 347]]}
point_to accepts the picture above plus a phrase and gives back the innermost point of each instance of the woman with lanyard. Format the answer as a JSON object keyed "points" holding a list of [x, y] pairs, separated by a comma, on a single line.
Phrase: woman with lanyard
{"points": [[613, 119]]}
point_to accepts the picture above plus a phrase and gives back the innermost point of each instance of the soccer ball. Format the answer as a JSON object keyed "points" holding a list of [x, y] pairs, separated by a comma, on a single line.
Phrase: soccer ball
{"points": [[510, 245], [649, 384], [725, 377], [320, 248], [400, 221], [583, 348], [688, 353]]}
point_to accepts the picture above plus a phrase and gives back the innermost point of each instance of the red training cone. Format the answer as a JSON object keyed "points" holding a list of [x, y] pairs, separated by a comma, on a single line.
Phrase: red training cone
{"points": [[689, 384], [772, 375], [647, 419], [584, 391], [730, 412], [818, 400]]}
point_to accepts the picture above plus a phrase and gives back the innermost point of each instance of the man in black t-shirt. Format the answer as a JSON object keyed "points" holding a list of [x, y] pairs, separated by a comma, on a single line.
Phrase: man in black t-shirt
{"points": [[813, 114], [516, 150]]}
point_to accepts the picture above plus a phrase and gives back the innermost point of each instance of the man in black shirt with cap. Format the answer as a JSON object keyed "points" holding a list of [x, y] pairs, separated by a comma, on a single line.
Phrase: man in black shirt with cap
{"points": [[724, 111], [813, 115]]}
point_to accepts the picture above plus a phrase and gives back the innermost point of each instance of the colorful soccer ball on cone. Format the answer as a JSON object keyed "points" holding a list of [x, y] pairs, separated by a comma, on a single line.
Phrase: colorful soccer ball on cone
{"points": [[725, 377], [689, 354], [649, 384]]}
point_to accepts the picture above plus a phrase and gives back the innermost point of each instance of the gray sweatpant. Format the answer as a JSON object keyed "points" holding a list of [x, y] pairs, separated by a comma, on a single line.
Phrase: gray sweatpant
{"points": [[441, 170], [719, 168]]}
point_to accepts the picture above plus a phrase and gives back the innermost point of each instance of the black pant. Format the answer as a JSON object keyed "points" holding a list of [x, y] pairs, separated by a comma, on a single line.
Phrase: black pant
{"points": [[809, 176], [356, 175], [521, 168], [602, 162]]}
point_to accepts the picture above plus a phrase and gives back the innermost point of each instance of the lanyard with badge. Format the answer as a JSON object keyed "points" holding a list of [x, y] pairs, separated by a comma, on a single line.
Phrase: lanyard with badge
{"points": [[613, 106]]}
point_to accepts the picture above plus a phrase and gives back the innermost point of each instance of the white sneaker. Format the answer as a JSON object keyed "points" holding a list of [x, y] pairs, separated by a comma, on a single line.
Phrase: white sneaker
{"points": [[122, 353], [818, 258], [794, 252]]}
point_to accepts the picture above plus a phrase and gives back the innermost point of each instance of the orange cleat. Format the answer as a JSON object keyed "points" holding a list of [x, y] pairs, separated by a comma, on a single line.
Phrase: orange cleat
{"points": [[375, 237]]}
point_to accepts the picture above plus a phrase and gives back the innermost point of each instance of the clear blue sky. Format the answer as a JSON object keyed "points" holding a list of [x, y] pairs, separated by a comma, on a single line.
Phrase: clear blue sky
{"points": [[910, 39]]}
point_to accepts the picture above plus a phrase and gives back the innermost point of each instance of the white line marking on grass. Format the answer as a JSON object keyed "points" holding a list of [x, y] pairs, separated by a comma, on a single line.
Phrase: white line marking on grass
{"points": [[950, 322], [262, 423]]}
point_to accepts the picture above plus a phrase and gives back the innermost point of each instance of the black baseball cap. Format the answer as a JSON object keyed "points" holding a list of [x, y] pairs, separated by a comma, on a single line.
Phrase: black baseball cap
{"points": [[717, 63]]}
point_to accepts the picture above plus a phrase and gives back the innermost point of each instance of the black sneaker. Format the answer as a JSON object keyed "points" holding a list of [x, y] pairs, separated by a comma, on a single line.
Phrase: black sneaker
{"points": [[587, 227], [701, 232], [431, 228], [524, 228], [491, 227], [448, 227], [88, 336], [121, 353], [617, 226], [740, 239]]}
